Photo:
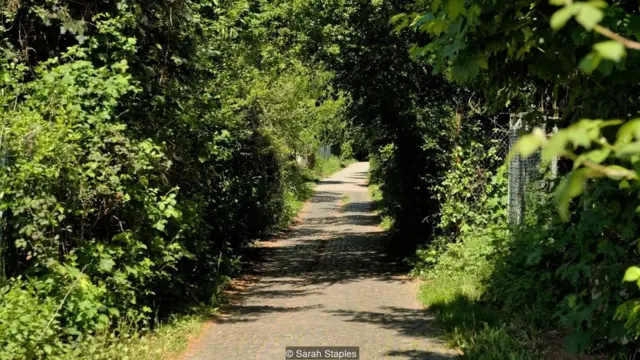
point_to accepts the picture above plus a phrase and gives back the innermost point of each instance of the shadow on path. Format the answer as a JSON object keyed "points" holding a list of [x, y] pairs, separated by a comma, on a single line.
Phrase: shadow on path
{"points": [[329, 282]]}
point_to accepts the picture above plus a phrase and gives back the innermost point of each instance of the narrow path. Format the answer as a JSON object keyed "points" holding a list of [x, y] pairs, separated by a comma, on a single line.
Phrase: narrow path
{"points": [[327, 283]]}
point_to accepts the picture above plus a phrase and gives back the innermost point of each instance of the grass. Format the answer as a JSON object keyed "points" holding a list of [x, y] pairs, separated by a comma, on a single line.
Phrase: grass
{"points": [[480, 331], [345, 199], [386, 222], [454, 292], [326, 167], [166, 342]]}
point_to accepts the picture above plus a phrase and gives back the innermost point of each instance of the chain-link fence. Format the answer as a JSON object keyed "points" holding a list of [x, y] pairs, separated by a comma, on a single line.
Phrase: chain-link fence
{"points": [[500, 136], [324, 152], [522, 172], [484, 154]]}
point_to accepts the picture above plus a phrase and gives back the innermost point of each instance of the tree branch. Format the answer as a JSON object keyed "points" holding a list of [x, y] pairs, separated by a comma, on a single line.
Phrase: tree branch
{"points": [[613, 36]]}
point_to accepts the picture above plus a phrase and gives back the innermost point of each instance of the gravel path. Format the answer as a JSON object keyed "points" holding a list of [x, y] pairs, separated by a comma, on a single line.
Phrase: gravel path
{"points": [[327, 283]]}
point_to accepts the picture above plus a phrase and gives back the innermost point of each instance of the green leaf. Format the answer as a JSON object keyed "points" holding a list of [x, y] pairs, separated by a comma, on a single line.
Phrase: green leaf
{"points": [[535, 256], [572, 186], [632, 274], [610, 49], [454, 8], [435, 27], [589, 16], [482, 61], [527, 146], [106, 264], [613, 122], [557, 2], [629, 149], [554, 147], [160, 225], [397, 18], [530, 143], [114, 311], [590, 62], [618, 172], [600, 4], [420, 20], [559, 18], [628, 132], [597, 156], [624, 184]]}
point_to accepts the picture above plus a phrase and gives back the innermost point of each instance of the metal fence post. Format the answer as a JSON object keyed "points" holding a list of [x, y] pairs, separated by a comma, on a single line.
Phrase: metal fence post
{"points": [[516, 181]]}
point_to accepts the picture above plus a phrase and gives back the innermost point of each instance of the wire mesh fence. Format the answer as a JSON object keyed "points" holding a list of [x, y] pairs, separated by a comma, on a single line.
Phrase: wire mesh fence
{"points": [[485, 155], [501, 134], [522, 172], [324, 152]]}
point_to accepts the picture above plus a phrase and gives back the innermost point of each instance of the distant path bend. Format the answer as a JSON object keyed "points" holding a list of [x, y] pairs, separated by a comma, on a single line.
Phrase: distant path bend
{"points": [[327, 283]]}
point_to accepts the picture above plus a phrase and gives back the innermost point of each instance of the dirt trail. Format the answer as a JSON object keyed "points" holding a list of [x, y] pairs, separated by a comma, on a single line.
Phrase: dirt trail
{"points": [[327, 283]]}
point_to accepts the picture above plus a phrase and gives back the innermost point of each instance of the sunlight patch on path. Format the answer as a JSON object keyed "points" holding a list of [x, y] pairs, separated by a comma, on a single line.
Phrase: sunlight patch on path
{"points": [[327, 283]]}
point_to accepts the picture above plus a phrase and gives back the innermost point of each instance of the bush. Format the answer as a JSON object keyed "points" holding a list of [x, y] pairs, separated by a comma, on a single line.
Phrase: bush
{"points": [[544, 275], [141, 152]]}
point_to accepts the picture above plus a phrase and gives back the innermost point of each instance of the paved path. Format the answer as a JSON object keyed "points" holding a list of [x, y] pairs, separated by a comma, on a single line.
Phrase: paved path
{"points": [[327, 283]]}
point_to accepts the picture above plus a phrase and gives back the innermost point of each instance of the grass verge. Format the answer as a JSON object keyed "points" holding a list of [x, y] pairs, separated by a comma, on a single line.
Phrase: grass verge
{"points": [[386, 222], [480, 331], [326, 167], [166, 342]]}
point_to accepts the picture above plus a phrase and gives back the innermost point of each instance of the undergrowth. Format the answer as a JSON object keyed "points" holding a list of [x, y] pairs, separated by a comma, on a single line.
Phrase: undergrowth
{"points": [[168, 340], [498, 290], [325, 167], [386, 221]]}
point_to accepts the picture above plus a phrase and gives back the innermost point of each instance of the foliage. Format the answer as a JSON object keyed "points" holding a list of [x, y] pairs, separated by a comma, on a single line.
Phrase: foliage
{"points": [[324, 167], [143, 145], [459, 265], [473, 201], [480, 331], [523, 57], [587, 143]]}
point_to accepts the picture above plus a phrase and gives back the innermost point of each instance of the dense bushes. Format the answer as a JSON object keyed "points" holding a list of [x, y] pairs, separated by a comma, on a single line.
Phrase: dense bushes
{"points": [[559, 270], [143, 144], [546, 275]]}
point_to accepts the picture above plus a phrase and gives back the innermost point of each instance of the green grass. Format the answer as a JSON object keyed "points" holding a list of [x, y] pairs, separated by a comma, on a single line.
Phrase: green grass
{"points": [[167, 341], [345, 199], [293, 203], [386, 222], [326, 167], [481, 331]]}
